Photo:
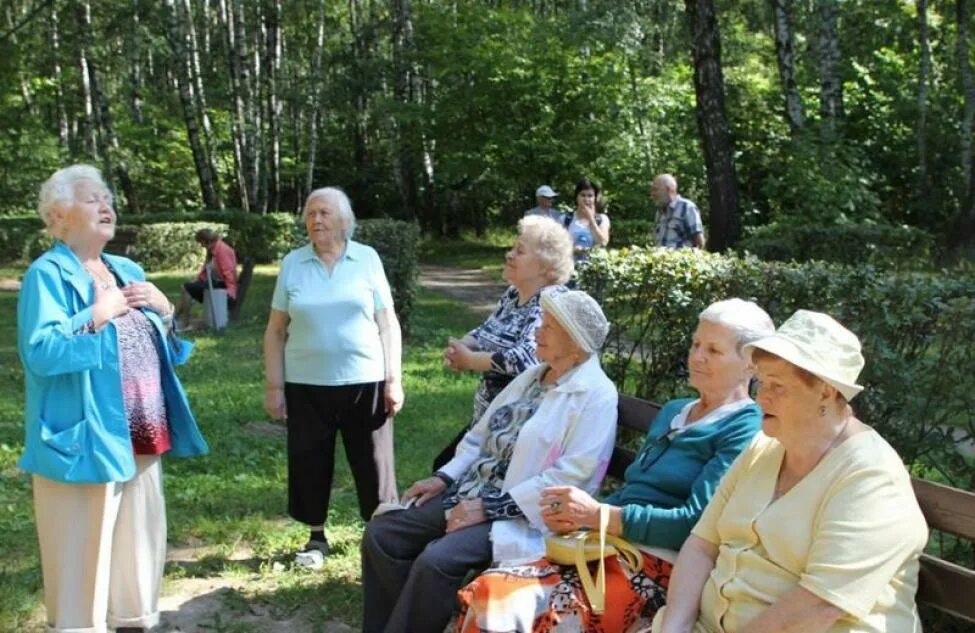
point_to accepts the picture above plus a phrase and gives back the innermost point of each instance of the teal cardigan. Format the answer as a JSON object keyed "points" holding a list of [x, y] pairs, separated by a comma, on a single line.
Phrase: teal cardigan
{"points": [[672, 479], [76, 430]]}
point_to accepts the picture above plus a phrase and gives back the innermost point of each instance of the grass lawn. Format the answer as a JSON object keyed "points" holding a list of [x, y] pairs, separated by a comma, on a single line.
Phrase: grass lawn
{"points": [[226, 510], [469, 250]]}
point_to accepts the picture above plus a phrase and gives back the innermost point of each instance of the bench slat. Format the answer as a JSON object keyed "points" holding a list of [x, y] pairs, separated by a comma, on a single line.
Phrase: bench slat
{"points": [[636, 413], [622, 458], [947, 587], [947, 509]]}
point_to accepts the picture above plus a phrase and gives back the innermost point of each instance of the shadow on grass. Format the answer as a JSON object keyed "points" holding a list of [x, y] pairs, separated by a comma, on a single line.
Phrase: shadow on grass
{"points": [[282, 606]]}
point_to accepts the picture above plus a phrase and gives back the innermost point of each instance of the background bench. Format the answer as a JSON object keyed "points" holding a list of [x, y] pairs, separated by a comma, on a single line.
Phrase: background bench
{"points": [[243, 283], [944, 586]]}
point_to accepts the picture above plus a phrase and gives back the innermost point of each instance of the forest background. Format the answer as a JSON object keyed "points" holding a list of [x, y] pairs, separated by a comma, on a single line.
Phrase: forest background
{"points": [[770, 112]]}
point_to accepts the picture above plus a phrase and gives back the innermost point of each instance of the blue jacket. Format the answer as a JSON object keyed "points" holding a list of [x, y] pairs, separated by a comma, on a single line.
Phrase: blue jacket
{"points": [[76, 427]]}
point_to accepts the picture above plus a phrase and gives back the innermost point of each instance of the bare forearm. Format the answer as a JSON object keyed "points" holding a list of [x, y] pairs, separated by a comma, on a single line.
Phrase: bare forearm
{"points": [[694, 565], [392, 342], [798, 611], [273, 358], [601, 233]]}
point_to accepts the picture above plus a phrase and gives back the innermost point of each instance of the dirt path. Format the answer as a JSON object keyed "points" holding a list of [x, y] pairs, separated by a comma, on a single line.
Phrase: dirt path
{"points": [[478, 289]]}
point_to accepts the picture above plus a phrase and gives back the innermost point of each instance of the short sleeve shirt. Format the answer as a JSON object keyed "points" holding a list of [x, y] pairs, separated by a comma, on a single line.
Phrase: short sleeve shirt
{"points": [[333, 337], [850, 532], [678, 223], [551, 212]]}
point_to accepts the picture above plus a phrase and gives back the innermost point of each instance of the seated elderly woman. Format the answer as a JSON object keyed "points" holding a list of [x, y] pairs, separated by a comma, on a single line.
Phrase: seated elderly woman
{"points": [[554, 425], [688, 447], [504, 345], [815, 527]]}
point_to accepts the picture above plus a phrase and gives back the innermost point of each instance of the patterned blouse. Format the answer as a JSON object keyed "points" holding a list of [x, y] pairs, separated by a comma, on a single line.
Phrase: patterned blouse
{"points": [[485, 476], [142, 392], [509, 334]]}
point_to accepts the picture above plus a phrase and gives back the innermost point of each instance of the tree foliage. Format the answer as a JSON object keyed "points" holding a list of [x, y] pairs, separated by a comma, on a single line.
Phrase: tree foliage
{"points": [[451, 113]]}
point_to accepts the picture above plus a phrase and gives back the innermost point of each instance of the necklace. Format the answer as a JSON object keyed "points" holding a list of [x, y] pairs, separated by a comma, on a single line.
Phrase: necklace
{"points": [[103, 282]]}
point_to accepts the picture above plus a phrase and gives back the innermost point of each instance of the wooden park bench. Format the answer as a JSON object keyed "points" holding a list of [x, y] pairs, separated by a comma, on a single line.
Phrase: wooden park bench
{"points": [[243, 283], [944, 586]]}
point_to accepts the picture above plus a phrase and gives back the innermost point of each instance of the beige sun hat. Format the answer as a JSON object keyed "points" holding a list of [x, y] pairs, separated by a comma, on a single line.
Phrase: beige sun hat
{"points": [[817, 343], [581, 317]]}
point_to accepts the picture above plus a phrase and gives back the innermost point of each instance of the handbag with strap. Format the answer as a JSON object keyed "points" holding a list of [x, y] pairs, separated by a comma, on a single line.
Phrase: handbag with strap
{"points": [[581, 547]]}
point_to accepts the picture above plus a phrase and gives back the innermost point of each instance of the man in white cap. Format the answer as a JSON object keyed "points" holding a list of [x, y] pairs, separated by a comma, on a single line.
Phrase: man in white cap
{"points": [[545, 200]]}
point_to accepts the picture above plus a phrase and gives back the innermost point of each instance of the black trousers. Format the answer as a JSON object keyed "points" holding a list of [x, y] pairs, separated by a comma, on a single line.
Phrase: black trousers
{"points": [[316, 415], [412, 569]]}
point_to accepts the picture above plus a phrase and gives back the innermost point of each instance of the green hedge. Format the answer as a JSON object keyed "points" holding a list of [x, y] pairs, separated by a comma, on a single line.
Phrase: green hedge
{"points": [[162, 245], [879, 244], [916, 330], [398, 245], [266, 238], [22, 238]]}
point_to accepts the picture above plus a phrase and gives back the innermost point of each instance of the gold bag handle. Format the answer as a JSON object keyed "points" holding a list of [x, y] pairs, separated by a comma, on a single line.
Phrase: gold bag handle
{"points": [[596, 589]]}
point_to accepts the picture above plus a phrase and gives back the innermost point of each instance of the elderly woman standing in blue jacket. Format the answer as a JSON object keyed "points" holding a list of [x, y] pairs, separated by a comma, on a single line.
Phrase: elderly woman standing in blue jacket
{"points": [[103, 404]]}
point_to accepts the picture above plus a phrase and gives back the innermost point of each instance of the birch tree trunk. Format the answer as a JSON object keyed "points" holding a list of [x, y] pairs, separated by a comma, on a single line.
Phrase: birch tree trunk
{"points": [[115, 171], [90, 141], [314, 109], [247, 104], [404, 89], [272, 68], [831, 85], [712, 123], [177, 40], [359, 149], [200, 101], [64, 138], [237, 118], [136, 82], [785, 52], [924, 70]]}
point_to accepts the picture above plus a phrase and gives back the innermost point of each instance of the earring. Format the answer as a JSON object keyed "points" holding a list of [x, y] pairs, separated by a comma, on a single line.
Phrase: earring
{"points": [[822, 412]]}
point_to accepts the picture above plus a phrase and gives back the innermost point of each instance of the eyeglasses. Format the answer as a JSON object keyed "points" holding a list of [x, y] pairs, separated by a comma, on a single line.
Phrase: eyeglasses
{"points": [[662, 443]]}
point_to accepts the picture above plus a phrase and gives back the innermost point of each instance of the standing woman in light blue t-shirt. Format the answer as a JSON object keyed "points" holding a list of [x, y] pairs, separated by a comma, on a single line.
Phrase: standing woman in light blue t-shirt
{"points": [[332, 365]]}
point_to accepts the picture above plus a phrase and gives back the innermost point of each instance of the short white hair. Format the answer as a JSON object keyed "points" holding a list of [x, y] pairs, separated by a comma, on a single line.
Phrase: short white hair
{"points": [[59, 188], [746, 320], [337, 197], [551, 243], [668, 181]]}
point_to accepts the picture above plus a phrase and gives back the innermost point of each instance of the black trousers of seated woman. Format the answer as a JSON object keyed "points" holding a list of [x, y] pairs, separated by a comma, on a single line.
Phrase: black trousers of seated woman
{"points": [[412, 569]]}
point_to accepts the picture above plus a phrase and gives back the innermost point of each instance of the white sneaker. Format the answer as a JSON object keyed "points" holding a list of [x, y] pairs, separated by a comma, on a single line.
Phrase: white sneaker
{"points": [[312, 556]]}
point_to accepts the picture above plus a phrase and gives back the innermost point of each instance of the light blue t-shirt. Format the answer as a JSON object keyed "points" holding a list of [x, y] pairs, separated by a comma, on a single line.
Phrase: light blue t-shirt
{"points": [[333, 337]]}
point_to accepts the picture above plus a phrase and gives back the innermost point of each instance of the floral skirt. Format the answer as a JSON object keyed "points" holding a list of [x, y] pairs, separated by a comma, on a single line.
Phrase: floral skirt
{"points": [[543, 598]]}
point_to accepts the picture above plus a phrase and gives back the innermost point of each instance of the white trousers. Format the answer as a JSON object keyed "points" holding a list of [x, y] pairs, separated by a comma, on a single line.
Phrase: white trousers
{"points": [[103, 548]]}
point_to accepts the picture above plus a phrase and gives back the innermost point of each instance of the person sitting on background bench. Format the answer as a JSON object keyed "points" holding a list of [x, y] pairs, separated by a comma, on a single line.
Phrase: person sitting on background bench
{"points": [[815, 527], [503, 345], [688, 447], [555, 424], [220, 266]]}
